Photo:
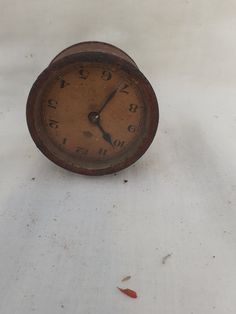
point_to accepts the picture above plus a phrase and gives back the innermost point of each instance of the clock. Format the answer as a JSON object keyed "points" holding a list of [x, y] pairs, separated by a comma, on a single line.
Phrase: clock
{"points": [[92, 111]]}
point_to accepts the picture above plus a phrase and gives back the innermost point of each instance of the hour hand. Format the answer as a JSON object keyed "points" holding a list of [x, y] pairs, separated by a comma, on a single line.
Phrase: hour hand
{"points": [[94, 118], [106, 136]]}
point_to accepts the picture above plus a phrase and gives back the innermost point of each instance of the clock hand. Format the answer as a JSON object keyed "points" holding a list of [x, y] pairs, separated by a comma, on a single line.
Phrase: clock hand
{"points": [[94, 118], [109, 97], [106, 136]]}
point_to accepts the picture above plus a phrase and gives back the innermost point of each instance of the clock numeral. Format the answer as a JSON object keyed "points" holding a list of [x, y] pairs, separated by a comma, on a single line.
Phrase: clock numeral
{"points": [[53, 124], [102, 152], [83, 74], [64, 141], [133, 107], [62, 82], [106, 75], [131, 128], [118, 143], [52, 103], [81, 151], [124, 89]]}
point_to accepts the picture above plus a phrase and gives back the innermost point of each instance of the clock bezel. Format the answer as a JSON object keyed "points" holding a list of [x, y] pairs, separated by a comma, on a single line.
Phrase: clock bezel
{"points": [[146, 91]]}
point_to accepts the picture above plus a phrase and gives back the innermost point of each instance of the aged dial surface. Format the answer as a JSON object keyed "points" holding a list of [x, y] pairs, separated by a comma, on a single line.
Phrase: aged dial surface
{"points": [[91, 115], [92, 112]]}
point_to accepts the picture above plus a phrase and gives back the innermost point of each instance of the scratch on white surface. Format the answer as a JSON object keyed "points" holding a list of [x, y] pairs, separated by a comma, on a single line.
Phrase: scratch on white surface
{"points": [[165, 258], [126, 278]]}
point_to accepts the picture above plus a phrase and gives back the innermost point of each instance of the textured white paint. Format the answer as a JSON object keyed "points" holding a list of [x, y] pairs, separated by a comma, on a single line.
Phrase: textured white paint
{"points": [[66, 241]]}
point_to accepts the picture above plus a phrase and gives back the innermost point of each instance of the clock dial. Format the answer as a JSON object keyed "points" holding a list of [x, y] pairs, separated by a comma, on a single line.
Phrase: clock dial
{"points": [[92, 112]]}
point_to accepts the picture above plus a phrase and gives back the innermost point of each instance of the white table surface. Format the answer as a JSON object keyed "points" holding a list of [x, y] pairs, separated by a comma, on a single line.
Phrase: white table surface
{"points": [[66, 240]]}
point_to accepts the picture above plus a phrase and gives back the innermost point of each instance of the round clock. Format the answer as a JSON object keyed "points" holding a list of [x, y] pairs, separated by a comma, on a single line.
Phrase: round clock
{"points": [[91, 110]]}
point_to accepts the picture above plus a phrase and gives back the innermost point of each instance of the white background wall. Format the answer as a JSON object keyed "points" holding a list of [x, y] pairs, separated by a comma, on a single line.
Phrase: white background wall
{"points": [[66, 240]]}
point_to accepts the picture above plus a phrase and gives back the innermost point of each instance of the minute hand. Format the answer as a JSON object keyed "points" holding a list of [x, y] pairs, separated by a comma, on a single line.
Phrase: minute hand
{"points": [[109, 97]]}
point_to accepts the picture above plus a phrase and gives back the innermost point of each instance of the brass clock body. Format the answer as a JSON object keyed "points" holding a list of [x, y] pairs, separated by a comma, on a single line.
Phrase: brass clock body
{"points": [[91, 110]]}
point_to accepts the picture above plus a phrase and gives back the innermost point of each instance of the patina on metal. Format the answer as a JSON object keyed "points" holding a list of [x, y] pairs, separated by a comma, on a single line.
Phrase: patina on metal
{"points": [[92, 111]]}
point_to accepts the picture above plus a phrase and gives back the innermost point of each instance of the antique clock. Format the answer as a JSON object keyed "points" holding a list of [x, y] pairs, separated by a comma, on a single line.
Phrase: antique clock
{"points": [[92, 111]]}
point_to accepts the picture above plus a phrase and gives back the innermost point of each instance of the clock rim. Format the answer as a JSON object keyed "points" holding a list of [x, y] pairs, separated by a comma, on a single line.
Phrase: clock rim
{"points": [[93, 46], [145, 88]]}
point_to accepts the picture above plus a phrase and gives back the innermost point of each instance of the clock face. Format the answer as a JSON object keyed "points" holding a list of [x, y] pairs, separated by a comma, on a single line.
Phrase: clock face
{"points": [[92, 113]]}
